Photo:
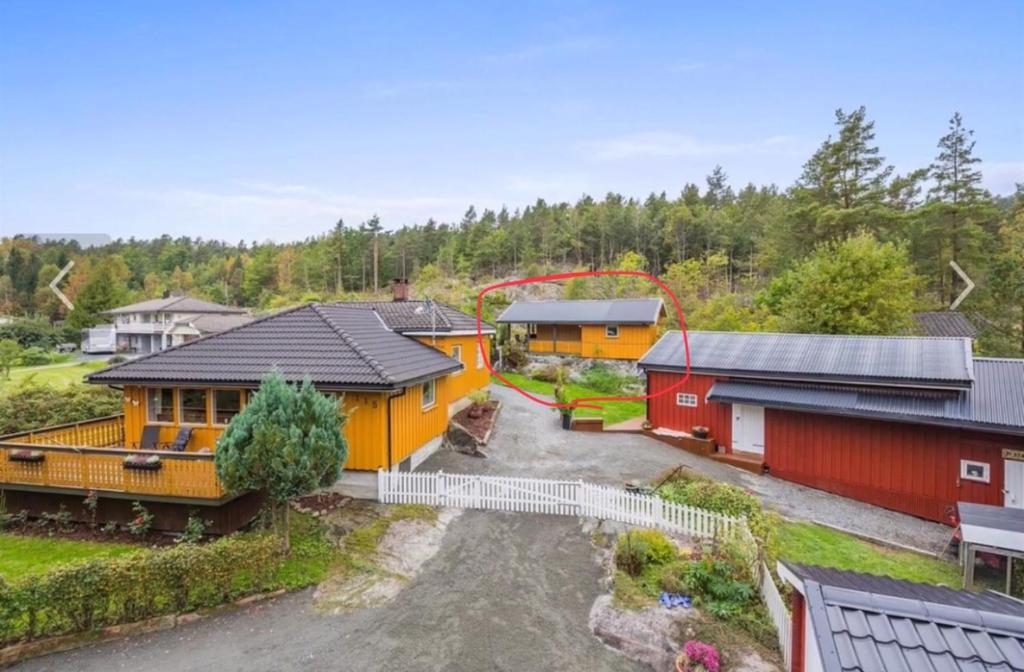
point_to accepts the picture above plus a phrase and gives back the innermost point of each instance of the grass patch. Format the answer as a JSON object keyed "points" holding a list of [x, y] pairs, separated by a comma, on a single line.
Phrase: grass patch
{"points": [[58, 375], [22, 556], [812, 544], [312, 556], [613, 412]]}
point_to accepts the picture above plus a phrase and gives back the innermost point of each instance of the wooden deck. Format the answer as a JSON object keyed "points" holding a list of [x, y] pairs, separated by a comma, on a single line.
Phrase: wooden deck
{"points": [[90, 455]]}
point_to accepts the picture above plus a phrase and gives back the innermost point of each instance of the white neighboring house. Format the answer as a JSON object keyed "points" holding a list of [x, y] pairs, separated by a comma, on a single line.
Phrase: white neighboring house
{"points": [[157, 324]]}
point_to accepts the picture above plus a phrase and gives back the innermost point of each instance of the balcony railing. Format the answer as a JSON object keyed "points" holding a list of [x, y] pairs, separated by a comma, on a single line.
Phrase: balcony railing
{"points": [[562, 347], [91, 456]]}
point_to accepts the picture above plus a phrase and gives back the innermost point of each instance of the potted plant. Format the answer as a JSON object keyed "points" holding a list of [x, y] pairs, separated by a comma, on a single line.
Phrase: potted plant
{"points": [[479, 399], [700, 432], [562, 397], [697, 656]]}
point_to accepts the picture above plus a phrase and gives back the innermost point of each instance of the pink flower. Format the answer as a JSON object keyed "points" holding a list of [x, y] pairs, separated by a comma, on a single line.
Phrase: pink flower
{"points": [[702, 656]]}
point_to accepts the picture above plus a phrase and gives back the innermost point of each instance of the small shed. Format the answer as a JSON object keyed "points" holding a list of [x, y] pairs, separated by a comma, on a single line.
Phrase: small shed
{"points": [[990, 529]]}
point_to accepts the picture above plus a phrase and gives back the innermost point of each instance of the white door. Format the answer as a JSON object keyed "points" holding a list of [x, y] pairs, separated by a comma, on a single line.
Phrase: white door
{"points": [[748, 428], [1013, 483]]}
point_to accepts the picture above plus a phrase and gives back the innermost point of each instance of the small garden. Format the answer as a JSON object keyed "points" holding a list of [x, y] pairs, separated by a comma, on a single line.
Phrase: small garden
{"points": [[597, 382]]}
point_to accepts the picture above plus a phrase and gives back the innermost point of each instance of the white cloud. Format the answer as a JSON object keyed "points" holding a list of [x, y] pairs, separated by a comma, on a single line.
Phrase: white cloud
{"points": [[1002, 177], [669, 144]]}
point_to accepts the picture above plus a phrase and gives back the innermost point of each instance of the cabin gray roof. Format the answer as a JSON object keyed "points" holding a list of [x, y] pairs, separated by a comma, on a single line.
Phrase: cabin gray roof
{"points": [[337, 346], [612, 311], [882, 360], [866, 629], [995, 526], [415, 316], [177, 304], [944, 323], [995, 402]]}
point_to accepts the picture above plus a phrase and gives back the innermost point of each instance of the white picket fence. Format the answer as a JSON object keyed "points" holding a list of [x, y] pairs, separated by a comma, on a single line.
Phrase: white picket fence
{"points": [[779, 613], [563, 498], [577, 498]]}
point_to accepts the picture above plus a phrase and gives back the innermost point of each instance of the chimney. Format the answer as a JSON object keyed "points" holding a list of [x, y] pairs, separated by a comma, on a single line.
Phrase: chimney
{"points": [[400, 286]]}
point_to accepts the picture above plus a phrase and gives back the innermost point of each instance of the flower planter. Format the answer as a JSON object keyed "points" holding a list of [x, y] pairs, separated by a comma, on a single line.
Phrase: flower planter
{"points": [[29, 456], [142, 462], [700, 432], [566, 421]]}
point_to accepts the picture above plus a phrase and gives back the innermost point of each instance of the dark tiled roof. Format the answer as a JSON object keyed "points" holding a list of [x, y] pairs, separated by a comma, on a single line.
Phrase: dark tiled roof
{"points": [[858, 629], [334, 345], [177, 304], [211, 323], [614, 311], [994, 402], [925, 592], [415, 316], [944, 323], [892, 360]]}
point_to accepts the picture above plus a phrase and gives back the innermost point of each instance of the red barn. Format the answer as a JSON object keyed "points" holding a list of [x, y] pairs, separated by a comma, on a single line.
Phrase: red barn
{"points": [[912, 424]]}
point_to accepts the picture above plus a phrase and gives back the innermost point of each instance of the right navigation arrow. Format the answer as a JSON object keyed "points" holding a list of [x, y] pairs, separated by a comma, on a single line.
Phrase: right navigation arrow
{"points": [[967, 290]]}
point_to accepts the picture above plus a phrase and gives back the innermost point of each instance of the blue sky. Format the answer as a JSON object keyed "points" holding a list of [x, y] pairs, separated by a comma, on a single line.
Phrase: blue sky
{"points": [[263, 120]]}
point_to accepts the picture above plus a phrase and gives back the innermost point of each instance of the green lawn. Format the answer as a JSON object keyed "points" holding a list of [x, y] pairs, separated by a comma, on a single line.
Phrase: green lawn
{"points": [[613, 411], [54, 374], [812, 544], [24, 555]]}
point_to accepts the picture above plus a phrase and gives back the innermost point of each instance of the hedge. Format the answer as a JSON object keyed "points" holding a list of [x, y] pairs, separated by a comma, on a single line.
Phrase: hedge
{"points": [[32, 406], [98, 593]]}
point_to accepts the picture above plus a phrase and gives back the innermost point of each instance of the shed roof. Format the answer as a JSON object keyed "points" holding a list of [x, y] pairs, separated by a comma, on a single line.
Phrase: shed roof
{"points": [[858, 629], [995, 402], [910, 361], [944, 323], [610, 311], [177, 304], [335, 345], [996, 526]]}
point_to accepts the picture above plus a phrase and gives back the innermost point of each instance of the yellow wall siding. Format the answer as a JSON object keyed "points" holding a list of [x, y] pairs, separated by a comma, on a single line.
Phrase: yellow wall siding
{"points": [[632, 342], [203, 435], [365, 430], [412, 425], [561, 347], [471, 378]]}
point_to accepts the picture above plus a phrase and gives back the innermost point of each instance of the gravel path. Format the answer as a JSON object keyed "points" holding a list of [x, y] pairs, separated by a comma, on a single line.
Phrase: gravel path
{"points": [[504, 592], [528, 441]]}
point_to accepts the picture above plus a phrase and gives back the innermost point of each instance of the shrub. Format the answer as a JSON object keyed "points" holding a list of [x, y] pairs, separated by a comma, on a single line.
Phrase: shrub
{"points": [[117, 359], [638, 549], [33, 356], [33, 406], [97, 593], [142, 520], [604, 379], [195, 528], [479, 397]]}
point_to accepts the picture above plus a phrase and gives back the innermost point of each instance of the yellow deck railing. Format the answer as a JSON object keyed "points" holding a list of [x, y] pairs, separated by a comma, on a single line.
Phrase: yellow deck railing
{"points": [[562, 347], [89, 456]]}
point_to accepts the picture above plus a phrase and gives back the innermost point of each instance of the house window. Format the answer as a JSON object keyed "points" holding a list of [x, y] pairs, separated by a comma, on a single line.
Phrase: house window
{"points": [[160, 404], [975, 471], [193, 406], [611, 330], [226, 405], [457, 356], [685, 399], [429, 394], [531, 330]]}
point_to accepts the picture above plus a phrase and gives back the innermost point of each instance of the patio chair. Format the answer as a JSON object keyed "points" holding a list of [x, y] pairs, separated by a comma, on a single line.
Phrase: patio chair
{"points": [[150, 438], [181, 440]]}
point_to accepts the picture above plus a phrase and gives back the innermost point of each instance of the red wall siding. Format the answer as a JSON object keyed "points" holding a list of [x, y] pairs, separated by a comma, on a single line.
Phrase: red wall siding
{"points": [[905, 467], [664, 412]]}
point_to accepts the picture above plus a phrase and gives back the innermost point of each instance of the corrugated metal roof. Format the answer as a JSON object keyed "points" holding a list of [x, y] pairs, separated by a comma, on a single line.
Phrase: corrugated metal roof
{"points": [[995, 402], [944, 323], [612, 311], [863, 630], [416, 316], [1004, 518], [334, 345], [177, 304], [911, 590], [893, 360]]}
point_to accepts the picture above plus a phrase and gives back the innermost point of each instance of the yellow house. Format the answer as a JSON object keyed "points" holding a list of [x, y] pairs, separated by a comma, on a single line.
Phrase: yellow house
{"points": [[401, 369], [601, 329]]}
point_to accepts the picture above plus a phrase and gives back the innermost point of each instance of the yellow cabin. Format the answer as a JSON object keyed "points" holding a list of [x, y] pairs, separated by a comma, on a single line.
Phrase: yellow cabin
{"points": [[604, 329], [400, 369]]}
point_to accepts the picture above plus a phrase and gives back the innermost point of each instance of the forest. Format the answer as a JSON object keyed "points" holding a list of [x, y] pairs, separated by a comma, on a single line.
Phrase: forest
{"points": [[850, 247]]}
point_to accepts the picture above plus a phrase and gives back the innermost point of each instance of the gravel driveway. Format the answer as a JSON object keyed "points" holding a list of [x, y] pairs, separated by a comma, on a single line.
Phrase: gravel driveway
{"points": [[504, 592], [528, 441]]}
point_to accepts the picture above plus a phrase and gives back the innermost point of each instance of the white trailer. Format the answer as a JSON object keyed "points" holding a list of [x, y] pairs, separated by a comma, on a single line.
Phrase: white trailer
{"points": [[100, 339]]}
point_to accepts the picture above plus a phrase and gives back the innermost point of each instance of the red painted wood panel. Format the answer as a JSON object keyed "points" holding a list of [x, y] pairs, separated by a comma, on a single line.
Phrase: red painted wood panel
{"points": [[664, 412], [910, 468], [796, 603]]}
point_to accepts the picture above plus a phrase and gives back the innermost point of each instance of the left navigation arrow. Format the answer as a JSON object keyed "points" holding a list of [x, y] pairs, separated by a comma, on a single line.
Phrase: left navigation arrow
{"points": [[53, 286]]}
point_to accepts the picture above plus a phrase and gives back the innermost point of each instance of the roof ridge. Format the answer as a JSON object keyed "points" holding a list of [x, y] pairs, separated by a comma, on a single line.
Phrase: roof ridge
{"points": [[902, 337], [351, 342], [199, 340]]}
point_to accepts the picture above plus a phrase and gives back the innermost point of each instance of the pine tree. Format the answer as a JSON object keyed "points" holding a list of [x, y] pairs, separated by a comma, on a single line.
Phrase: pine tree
{"points": [[956, 178]]}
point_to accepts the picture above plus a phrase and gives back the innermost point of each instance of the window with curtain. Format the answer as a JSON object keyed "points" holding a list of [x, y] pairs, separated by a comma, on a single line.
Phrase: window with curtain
{"points": [[193, 406], [226, 405]]}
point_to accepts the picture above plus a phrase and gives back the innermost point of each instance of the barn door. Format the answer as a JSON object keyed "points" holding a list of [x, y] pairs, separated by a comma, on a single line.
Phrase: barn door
{"points": [[748, 428], [1013, 483]]}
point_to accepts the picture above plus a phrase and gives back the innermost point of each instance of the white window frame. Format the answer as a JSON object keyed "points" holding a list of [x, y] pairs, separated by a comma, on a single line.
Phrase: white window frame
{"points": [[431, 386], [457, 356], [479, 357], [609, 328], [174, 405], [986, 471], [686, 399]]}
